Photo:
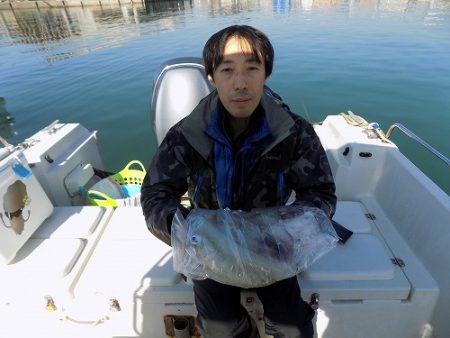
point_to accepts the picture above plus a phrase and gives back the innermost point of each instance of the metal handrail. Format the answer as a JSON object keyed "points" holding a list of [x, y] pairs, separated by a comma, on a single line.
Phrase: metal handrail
{"points": [[416, 138]]}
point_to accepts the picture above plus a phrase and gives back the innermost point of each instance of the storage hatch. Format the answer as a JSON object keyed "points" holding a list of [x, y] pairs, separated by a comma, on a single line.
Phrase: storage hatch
{"points": [[360, 269]]}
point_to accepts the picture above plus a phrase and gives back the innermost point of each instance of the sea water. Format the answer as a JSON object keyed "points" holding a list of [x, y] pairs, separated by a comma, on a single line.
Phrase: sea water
{"points": [[387, 60]]}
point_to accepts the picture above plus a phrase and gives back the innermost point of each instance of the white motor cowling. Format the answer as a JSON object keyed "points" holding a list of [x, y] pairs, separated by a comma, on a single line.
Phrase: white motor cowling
{"points": [[178, 88]]}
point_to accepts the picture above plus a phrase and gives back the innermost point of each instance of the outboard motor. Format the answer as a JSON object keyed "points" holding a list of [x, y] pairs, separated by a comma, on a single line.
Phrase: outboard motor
{"points": [[179, 87]]}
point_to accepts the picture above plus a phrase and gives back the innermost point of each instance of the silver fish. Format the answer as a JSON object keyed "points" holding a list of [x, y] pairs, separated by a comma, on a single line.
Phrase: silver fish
{"points": [[250, 249]]}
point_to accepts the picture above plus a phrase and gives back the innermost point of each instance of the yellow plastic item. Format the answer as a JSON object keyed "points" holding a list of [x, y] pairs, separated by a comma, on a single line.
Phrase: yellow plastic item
{"points": [[124, 177]]}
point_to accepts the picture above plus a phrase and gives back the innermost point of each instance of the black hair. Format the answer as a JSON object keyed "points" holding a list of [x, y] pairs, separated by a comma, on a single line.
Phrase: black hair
{"points": [[215, 46]]}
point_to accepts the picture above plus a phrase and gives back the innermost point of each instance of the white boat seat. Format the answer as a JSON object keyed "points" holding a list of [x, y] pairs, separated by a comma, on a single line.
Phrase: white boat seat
{"points": [[129, 249], [49, 261], [363, 257], [46, 259], [71, 222], [38, 270], [352, 216]]}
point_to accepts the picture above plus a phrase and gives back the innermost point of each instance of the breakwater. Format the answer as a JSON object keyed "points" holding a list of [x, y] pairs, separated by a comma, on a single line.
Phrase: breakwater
{"points": [[42, 4]]}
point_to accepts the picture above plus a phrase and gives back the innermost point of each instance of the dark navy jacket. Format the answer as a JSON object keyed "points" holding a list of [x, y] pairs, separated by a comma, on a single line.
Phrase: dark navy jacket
{"points": [[282, 155]]}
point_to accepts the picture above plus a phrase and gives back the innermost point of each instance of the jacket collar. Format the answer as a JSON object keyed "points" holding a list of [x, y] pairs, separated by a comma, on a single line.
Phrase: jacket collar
{"points": [[194, 126]]}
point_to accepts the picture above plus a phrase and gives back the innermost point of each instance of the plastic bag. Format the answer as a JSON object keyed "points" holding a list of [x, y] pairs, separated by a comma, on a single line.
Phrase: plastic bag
{"points": [[250, 249], [107, 192], [110, 187]]}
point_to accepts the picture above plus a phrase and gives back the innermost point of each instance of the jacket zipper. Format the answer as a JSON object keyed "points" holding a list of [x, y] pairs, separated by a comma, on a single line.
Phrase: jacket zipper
{"points": [[198, 186], [281, 188]]}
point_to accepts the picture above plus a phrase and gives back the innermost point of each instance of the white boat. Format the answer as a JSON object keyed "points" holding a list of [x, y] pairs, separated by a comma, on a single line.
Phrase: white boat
{"points": [[71, 270]]}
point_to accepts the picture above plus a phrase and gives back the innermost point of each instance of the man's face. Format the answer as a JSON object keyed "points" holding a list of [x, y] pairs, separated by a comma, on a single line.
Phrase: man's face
{"points": [[239, 79]]}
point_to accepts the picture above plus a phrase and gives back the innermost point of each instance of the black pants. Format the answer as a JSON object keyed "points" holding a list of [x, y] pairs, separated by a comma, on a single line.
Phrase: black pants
{"points": [[220, 313]]}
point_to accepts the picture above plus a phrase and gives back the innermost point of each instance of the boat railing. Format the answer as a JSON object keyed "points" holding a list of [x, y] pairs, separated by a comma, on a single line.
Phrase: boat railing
{"points": [[416, 138]]}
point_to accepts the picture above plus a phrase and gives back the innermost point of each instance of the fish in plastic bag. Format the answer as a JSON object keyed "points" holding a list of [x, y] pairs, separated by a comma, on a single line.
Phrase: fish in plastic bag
{"points": [[250, 249]]}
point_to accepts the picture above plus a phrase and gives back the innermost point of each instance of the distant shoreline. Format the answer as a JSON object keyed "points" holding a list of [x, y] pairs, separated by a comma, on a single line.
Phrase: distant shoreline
{"points": [[48, 4]]}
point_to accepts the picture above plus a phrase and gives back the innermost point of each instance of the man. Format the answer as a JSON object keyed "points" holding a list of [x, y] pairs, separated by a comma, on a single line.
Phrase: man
{"points": [[240, 148]]}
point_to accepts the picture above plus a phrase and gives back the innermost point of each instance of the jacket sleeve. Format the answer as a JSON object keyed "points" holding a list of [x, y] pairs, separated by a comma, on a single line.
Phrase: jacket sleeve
{"points": [[163, 186], [311, 176]]}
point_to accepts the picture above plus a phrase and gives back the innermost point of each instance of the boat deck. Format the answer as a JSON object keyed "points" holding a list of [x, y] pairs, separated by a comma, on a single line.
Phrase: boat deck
{"points": [[358, 280], [98, 272]]}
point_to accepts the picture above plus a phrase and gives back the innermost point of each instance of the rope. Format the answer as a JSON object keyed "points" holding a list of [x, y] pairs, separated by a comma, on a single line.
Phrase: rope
{"points": [[4, 142], [354, 120], [94, 322], [358, 121]]}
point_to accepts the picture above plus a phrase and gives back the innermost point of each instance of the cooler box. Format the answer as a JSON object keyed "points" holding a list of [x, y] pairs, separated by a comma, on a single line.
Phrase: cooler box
{"points": [[366, 280], [23, 205], [361, 268], [62, 155]]}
